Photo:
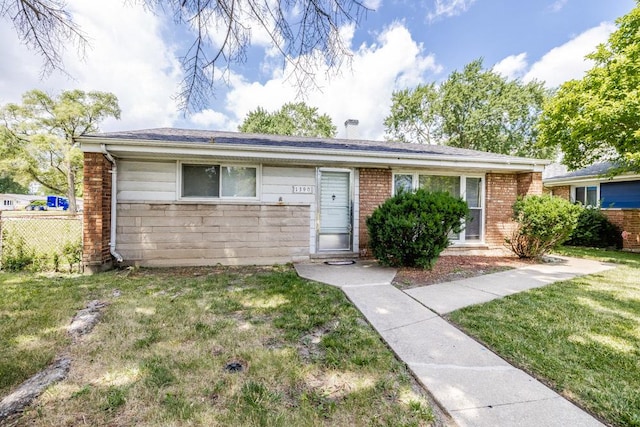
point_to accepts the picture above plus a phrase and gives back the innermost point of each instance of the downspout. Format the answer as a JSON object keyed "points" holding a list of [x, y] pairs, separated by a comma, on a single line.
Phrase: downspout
{"points": [[114, 203]]}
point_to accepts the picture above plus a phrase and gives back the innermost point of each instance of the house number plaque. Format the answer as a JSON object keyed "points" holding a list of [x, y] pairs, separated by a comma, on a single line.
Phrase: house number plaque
{"points": [[303, 189]]}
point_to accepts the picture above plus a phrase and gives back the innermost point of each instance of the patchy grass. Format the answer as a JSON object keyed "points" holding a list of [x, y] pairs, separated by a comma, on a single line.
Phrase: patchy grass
{"points": [[206, 347], [582, 337], [34, 313]]}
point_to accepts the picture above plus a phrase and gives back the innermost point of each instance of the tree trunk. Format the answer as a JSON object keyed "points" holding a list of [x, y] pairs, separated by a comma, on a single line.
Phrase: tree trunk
{"points": [[71, 183]]}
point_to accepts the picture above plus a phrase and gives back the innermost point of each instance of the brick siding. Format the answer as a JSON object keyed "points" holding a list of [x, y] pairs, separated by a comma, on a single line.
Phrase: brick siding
{"points": [[375, 188], [628, 220], [529, 183], [96, 218], [187, 234], [501, 193], [563, 191]]}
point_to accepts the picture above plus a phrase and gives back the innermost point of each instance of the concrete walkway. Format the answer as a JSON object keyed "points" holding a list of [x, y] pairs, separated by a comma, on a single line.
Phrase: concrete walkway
{"points": [[475, 386]]}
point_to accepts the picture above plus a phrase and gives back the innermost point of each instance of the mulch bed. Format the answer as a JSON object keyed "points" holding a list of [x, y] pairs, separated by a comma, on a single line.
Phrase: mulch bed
{"points": [[456, 267]]}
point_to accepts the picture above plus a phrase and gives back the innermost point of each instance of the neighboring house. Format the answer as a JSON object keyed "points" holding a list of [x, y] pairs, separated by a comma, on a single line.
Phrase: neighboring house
{"points": [[12, 202], [167, 197], [618, 196]]}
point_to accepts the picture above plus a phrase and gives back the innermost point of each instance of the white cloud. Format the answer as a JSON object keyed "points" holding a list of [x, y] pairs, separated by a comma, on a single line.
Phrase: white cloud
{"points": [[372, 4], [362, 92], [210, 119], [513, 66], [558, 5], [448, 8], [568, 61], [127, 57]]}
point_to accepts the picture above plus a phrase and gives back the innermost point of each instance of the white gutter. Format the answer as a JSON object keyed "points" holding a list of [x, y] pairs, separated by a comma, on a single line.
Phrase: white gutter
{"points": [[114, 203]]}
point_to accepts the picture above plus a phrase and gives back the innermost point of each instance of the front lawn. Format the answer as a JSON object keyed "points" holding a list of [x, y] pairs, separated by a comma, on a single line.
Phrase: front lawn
{"points": [[203, 347], [581, 337]]}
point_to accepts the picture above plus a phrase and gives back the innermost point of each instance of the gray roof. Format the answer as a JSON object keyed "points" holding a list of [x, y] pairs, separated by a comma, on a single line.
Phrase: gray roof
{"points": [[192, 136], [595, 170]]}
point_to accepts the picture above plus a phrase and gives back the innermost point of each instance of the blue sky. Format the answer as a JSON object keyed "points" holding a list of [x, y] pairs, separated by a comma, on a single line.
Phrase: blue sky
{"points": [[401, 44]]}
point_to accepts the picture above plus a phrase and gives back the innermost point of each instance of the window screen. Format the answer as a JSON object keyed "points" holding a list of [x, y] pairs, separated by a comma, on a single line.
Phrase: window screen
{"points": [[200, 181]]}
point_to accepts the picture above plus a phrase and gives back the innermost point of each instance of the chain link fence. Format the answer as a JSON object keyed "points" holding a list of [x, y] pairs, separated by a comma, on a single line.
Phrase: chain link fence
{"points": [[40, 242]]}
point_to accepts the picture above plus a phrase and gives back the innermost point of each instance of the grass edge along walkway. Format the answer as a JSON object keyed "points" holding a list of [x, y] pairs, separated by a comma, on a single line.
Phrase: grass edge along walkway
{"points": [[579, 336]]}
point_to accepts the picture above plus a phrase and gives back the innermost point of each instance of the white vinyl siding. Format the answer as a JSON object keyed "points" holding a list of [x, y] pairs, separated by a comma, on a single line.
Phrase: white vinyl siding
{"points": [[277, 186], [146, 180]]}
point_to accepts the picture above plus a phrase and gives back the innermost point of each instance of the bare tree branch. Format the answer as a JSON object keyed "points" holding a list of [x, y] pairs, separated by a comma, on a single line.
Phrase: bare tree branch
{"points": [[46, 27], [306, 33]]}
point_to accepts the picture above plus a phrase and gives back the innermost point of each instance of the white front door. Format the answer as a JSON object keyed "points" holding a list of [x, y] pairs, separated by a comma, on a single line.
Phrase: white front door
{"points": [[334, 223]]}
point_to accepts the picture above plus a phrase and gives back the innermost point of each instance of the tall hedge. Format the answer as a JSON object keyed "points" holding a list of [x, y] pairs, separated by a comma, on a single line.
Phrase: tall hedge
{"points": [[411, 229]]}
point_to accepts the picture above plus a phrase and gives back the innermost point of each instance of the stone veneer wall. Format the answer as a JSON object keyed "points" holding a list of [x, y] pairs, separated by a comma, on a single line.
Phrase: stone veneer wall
{"points": [[96, 219], [502, 191], [189, 234], [375, 188]]}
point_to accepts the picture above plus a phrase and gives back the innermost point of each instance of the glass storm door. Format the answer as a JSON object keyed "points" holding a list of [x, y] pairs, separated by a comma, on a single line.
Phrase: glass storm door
{"points": [[334, 233]]}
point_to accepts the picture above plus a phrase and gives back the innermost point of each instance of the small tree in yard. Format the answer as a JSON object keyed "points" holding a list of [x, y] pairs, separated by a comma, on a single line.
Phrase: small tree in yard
{"points": [[411, 229], [544, 222]]}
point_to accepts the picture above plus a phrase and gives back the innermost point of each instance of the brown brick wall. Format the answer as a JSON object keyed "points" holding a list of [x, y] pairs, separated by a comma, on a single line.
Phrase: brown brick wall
{"points": [[629, 221], [501, 194], [375, 188], [96, 225], [564, 192], [186, 234], [529, 183]]}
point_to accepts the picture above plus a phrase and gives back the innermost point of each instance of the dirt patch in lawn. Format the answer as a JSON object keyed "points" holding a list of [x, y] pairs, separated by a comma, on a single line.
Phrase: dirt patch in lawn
{"points": [[456, 267]]}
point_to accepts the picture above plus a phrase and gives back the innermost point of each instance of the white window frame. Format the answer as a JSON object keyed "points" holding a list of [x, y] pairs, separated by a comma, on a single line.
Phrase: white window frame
{"points": [[463, 194], [257, 167], [585, 186]]}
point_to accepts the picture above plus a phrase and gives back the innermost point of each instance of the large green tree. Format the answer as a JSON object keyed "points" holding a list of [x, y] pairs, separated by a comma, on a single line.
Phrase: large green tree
{"points": [[598, 117], [473, 108], [37, 137], [296, 119], [9, 185]]}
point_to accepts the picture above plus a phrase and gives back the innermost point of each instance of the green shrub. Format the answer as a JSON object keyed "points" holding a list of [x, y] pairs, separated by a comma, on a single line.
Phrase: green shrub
{"points": [[411, 229], [595, 230], [544, 222], [72, 251], [15, 254]]}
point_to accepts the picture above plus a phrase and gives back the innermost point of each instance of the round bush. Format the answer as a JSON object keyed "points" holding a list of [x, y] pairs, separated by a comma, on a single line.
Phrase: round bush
{"points": [[595, 230], [411, 229], [544, 222]]}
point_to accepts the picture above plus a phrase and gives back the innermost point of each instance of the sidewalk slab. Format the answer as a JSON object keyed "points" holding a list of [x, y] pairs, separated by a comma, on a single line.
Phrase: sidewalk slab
{"points": [[446, 297], [460, 388], [435, 341], [450, 296], [387, 307], [476, 386], [556, 412], [360, 273]]}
